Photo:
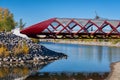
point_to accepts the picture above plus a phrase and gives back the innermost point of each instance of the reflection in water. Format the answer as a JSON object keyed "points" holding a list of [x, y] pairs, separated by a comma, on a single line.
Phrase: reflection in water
{"points": [[68, 76], [19, 71]]}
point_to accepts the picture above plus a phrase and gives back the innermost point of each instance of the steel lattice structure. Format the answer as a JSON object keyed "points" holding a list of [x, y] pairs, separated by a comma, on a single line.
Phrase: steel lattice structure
{"points": [[59, 28]]}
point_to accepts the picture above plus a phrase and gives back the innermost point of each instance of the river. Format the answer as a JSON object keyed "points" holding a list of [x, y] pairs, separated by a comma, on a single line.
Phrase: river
{"points": [[83, 63], [82, 59]]}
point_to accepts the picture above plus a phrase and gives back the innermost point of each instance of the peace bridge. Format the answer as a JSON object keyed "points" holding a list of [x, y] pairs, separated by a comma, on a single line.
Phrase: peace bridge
{"points": [[74, 28]]}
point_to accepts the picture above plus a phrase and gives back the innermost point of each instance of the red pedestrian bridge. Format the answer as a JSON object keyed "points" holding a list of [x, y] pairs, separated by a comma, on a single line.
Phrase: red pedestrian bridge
{"points": [[74, 28]]}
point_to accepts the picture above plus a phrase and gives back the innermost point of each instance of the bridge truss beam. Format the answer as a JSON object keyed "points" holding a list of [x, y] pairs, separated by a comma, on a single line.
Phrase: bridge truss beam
{"points": [[60, 28]]}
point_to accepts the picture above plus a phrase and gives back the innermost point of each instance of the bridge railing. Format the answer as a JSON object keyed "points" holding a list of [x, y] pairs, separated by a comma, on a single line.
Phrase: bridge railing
{"points": [[74, 29]]}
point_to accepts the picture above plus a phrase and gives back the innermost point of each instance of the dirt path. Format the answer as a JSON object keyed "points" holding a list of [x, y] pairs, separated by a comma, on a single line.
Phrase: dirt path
{"points": [[115, 72]]}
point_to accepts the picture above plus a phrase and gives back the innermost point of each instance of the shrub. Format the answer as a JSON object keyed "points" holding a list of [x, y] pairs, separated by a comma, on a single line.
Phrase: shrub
{"points": [[17, 50], [35, 40], [3, 51], [21, 48], [25, 48]]}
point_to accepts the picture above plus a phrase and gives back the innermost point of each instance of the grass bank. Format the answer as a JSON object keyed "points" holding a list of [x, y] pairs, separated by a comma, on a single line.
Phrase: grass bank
{"points": [[98, 42]]}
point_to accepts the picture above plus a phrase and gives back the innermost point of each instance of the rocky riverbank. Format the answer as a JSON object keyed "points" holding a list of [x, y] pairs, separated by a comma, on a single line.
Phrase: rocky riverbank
{"points": [[36, 51]]}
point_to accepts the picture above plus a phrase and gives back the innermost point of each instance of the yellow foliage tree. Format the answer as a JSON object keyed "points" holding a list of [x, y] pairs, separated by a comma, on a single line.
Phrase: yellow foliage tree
{"points": [[7, 21]]}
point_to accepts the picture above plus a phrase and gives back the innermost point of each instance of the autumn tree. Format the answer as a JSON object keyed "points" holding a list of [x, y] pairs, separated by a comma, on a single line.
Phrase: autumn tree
{"points": [[7, 21]]}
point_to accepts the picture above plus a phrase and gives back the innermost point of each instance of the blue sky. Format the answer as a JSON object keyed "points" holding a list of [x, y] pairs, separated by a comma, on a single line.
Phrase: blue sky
{"points": [[34, 11]]}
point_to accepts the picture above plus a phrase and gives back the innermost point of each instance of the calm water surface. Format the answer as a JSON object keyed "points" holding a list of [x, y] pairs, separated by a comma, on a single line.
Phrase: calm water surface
{"points": [[83, 62], [81, 58]]}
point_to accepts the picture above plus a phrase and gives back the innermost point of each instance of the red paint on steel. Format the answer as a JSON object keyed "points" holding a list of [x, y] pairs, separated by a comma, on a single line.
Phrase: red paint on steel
{"points": [[37, 28], [49, 29]]}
